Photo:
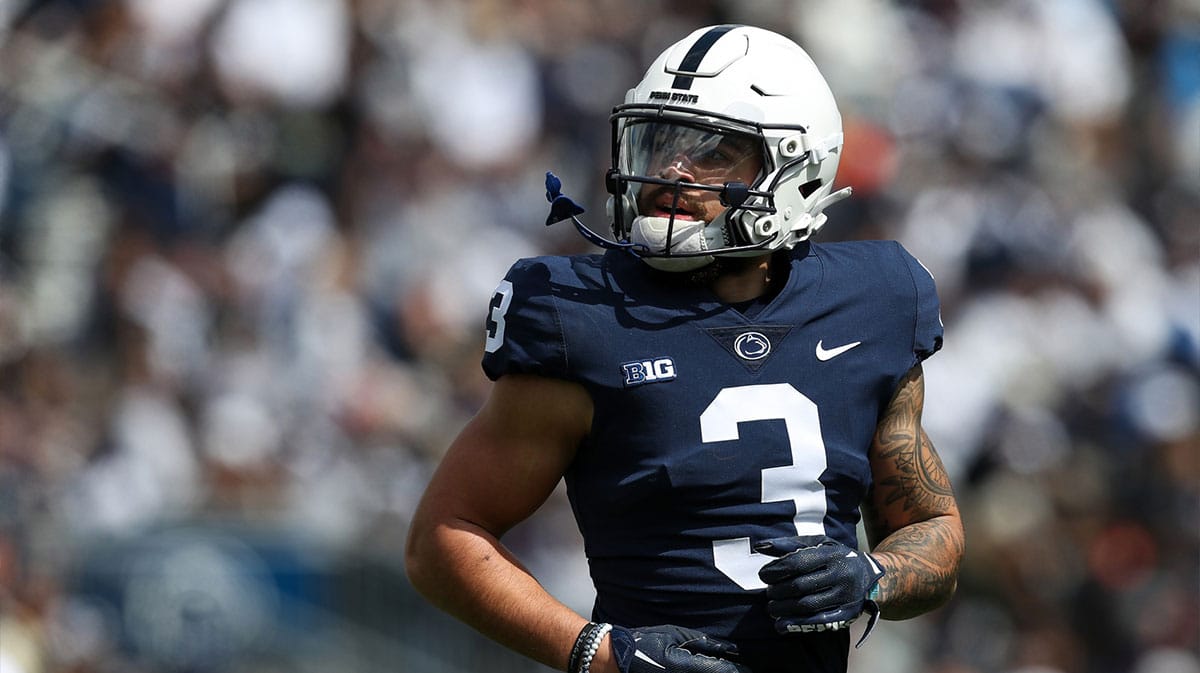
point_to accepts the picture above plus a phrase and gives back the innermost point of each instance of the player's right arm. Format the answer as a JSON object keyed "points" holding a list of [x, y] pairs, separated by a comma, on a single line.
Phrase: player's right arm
{"points": [[498, 471]]}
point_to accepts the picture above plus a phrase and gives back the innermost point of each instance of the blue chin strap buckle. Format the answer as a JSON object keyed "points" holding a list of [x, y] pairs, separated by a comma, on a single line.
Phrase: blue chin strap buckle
{"points": [[561, 207]]}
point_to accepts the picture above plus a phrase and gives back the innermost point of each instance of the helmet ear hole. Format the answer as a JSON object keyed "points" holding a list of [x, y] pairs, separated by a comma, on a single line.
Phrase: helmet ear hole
{"points": [[807, 189]]}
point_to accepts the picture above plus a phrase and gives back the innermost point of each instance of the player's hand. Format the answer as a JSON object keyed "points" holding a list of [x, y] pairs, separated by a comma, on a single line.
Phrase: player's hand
{"points": [[818, 584], [672, 649]]}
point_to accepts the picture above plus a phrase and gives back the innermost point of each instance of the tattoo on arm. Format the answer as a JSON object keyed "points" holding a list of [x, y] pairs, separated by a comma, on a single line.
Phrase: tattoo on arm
{"points": [[919, 482], [911, 510], [922, 562]]}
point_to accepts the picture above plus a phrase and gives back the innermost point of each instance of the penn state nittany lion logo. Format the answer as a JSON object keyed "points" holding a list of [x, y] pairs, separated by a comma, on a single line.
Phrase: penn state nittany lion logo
{"points": [[752, 346]]}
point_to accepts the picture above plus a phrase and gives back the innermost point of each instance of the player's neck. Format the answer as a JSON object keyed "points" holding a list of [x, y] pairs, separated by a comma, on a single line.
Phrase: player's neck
{"points": [[742, 280]]}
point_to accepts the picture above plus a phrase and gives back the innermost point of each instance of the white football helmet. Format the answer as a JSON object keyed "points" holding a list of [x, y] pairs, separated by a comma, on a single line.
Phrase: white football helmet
{"points": [[723, 98]]}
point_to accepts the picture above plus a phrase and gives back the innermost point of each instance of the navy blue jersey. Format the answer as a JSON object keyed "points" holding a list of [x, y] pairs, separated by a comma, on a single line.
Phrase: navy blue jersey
{"points": [[713, 431]]}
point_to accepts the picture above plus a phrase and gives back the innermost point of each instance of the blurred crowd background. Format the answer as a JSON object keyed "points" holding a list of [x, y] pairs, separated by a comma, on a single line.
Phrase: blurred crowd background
{"points": [[246, 248]]}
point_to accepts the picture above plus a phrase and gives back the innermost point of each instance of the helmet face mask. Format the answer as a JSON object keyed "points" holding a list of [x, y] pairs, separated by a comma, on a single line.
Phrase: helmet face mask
{"points": [[739, 162]]}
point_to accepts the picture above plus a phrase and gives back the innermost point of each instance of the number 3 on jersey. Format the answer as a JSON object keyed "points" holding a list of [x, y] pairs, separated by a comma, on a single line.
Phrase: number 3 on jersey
{"points": [[798, 482], [495, 322]]}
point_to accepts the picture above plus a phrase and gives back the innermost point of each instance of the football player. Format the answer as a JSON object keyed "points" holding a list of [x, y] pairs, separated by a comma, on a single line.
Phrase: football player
{"points": [[724, 397]]}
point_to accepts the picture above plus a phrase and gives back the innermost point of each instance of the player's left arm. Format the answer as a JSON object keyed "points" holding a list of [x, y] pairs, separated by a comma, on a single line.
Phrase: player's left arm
{"points": [[911, 516]]}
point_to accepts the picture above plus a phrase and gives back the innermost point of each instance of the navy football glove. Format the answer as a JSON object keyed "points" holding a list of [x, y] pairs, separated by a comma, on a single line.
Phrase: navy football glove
{"points": [[818, 584], [672, 649]]}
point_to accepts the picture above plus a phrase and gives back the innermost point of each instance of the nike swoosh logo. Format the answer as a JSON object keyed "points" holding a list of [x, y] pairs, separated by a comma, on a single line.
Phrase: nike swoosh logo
{"points": [[644, 657], [832, 353]]}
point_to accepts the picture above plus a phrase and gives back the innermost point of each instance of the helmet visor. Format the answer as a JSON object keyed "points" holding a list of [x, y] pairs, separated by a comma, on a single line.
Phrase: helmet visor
{"points": [[691, 153]]}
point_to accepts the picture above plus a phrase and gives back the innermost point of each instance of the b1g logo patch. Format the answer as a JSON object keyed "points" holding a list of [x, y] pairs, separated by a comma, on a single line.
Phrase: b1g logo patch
{"points": [[648, 371]]}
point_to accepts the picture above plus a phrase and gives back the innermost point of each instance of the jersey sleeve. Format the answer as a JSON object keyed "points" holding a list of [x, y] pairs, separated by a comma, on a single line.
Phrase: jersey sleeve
{"points": [[927, 327], [524, 332]]}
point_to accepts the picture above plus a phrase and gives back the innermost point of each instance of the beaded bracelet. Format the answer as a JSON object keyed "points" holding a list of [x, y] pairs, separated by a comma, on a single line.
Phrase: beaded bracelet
{"points": [[586, 645]]}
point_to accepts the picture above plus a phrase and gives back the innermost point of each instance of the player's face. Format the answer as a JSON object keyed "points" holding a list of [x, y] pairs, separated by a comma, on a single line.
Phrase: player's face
{"points": [[690, 154]]}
